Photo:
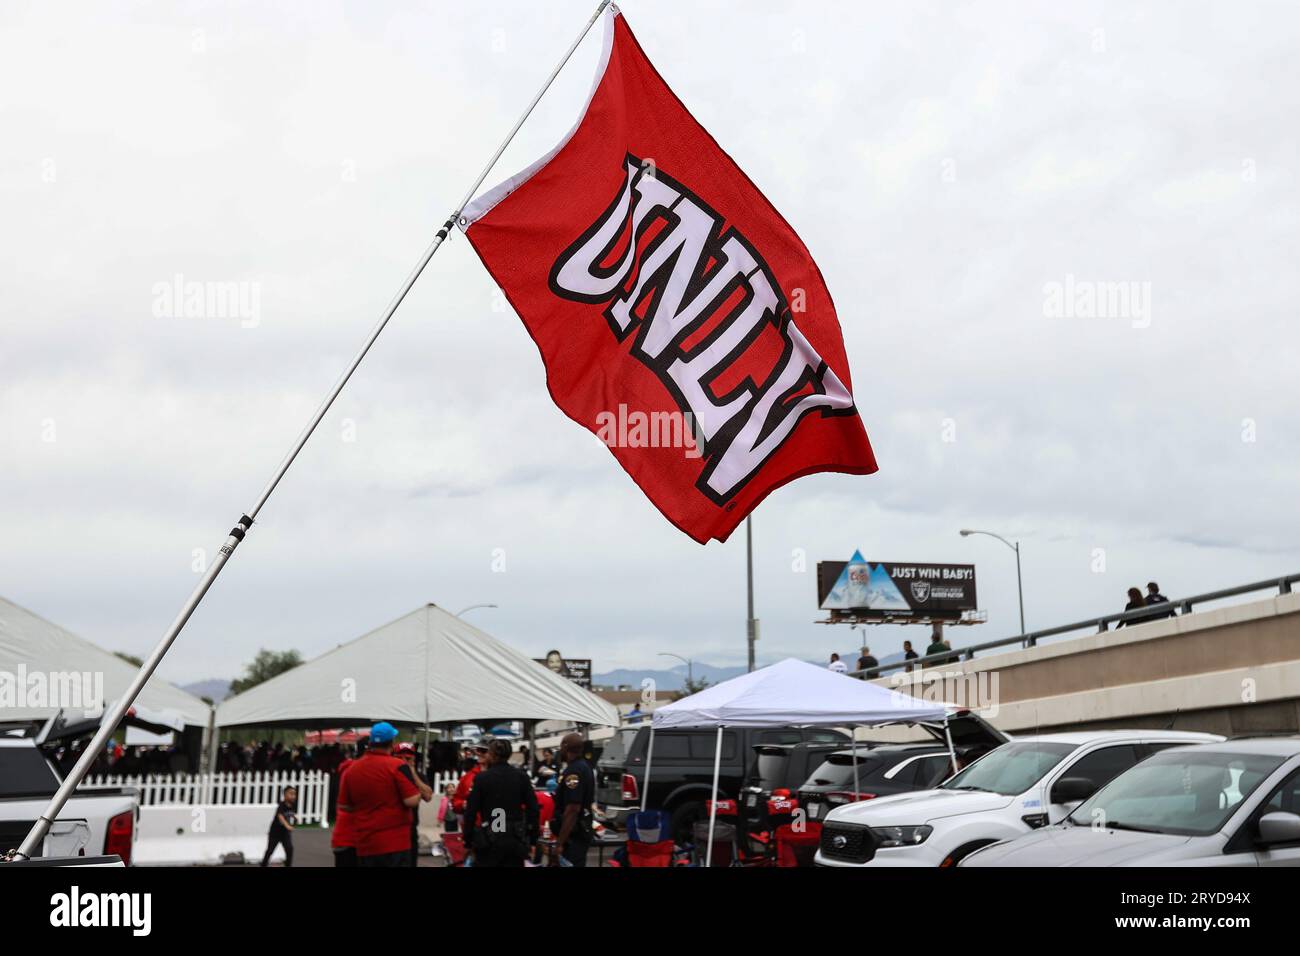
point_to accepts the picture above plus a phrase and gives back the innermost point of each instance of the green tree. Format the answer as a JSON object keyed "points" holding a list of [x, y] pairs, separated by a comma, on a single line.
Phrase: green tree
{"points": [[692, 687], [265, 665]]}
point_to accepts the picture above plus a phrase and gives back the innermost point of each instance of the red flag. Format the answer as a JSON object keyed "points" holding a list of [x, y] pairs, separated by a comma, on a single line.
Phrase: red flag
{"points": [[680, 318]]}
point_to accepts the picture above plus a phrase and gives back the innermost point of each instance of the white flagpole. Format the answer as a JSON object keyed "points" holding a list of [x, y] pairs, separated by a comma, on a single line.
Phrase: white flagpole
{"points": [[114, 715]]}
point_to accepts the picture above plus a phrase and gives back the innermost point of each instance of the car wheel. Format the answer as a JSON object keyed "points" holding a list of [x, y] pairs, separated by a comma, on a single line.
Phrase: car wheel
{"points": [[684, 818], [959, 854]]}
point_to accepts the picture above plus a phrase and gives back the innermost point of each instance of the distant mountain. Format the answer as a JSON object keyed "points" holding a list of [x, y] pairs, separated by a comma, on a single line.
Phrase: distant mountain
{"points": [[674, 679], [217, 690]]}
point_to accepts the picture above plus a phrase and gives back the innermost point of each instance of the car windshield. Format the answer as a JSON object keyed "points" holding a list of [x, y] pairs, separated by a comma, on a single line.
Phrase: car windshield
{"points": [[1183, 792], [837, 770], [1011, 769]]}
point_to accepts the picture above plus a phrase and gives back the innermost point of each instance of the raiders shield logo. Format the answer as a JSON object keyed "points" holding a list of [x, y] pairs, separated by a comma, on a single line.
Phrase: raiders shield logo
{"points": [[921, 591]]}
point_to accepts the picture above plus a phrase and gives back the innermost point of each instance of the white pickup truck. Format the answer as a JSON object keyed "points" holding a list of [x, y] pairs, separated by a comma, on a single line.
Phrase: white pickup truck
{"points": [[93, 822]]}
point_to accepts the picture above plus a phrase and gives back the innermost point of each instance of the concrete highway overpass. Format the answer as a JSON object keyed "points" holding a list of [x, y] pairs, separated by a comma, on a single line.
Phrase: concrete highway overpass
{"points": [[1232, 670]]}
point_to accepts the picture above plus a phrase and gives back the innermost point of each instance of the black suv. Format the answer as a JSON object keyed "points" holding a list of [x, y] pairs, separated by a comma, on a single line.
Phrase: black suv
{"points": [[681, 769]]}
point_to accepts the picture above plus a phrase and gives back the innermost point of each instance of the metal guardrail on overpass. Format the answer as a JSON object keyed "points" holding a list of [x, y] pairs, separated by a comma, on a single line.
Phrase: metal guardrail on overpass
{"points": [[1140, 616]]}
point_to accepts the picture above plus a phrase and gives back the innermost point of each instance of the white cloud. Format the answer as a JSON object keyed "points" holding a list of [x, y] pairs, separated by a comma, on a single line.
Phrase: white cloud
{"points": [[942, 165]]}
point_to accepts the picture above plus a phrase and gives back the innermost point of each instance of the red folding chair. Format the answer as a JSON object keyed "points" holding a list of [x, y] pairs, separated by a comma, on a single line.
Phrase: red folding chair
{"points": [[797, 847], [454, 845]]}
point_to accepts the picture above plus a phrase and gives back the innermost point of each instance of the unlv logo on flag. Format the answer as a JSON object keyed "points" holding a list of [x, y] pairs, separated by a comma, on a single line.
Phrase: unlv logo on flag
{"points": [[658, 281]]}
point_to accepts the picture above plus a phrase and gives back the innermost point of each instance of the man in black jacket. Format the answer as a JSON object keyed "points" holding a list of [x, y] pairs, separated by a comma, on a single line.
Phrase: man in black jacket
{"points": [[501, 816], [1155, 599]]}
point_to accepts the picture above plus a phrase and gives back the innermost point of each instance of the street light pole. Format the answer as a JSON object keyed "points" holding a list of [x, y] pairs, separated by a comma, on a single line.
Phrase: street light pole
{"points": [[472, 607], [1020, 589], [751, 625], [690, 668]]}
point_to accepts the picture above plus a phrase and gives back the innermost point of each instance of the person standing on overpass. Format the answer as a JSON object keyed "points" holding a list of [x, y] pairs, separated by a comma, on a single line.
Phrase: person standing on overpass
{"points": [[1155, 598]]}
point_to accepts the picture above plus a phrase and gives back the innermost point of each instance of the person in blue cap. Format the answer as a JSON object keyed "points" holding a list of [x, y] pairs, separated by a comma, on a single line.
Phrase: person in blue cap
{"points": [[379, 796]]}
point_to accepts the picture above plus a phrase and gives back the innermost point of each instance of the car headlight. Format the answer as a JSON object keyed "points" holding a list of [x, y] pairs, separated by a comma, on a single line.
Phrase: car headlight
{"points": [[901, 836]]}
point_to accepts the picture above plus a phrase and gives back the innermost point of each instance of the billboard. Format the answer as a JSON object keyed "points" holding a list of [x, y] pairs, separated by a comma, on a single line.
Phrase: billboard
{"points": [[885, 590], [576, 669]]}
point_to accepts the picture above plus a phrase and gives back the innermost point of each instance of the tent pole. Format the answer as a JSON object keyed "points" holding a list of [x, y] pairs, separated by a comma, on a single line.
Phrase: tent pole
{"points": [[713, 804], [36, 837], [952, 753], [428, 645], [214, 744], [649, 757]]}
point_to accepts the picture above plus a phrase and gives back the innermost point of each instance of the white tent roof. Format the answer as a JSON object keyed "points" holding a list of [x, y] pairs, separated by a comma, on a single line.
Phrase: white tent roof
{"points": [[31, 645], [794, 693], [427, 666]]}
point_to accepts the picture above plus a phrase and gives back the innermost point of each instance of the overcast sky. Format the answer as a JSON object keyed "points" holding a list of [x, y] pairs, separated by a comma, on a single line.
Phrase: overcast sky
{"points": [[945, 164]]}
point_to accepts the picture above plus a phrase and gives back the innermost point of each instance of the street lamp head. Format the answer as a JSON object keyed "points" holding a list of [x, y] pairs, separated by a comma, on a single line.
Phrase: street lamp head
{"points": [[965, 532], [473, 607]]}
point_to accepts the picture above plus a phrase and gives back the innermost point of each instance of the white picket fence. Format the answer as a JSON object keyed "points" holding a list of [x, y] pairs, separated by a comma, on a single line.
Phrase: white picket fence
{"points": [[440, 780], [227, 789], [240, 789]]}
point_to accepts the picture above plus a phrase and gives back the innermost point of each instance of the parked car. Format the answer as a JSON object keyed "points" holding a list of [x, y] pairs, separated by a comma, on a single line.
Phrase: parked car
{"points": [[93, 822], [783, 767], [1231, 804], [681, 771], [1025, 784], [885, 769]]}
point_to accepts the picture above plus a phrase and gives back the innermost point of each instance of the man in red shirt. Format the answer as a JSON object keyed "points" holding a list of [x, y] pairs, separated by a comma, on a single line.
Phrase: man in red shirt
{"points": [[466, 782], [342, 841], [406, 754], [378, 797]]}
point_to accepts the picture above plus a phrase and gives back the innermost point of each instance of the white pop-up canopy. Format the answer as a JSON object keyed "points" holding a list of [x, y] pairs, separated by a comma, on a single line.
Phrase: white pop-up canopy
{"points": [[428, 667], [45, 669], [794, 693], [791, 693]]}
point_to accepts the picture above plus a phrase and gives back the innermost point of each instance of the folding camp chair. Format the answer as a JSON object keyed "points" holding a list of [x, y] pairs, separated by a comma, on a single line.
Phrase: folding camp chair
{"points": [[649, 839], [797, 846], [724, 833], [453, 844]]}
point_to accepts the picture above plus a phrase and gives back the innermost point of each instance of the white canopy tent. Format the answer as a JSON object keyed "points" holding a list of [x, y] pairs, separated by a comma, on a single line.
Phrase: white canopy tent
{"points": [[791, 693], [61, 671], [428, 667]]}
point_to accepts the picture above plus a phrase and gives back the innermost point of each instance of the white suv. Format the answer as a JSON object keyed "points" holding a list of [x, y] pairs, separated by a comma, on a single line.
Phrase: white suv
{"points": [[1028, 783]]}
